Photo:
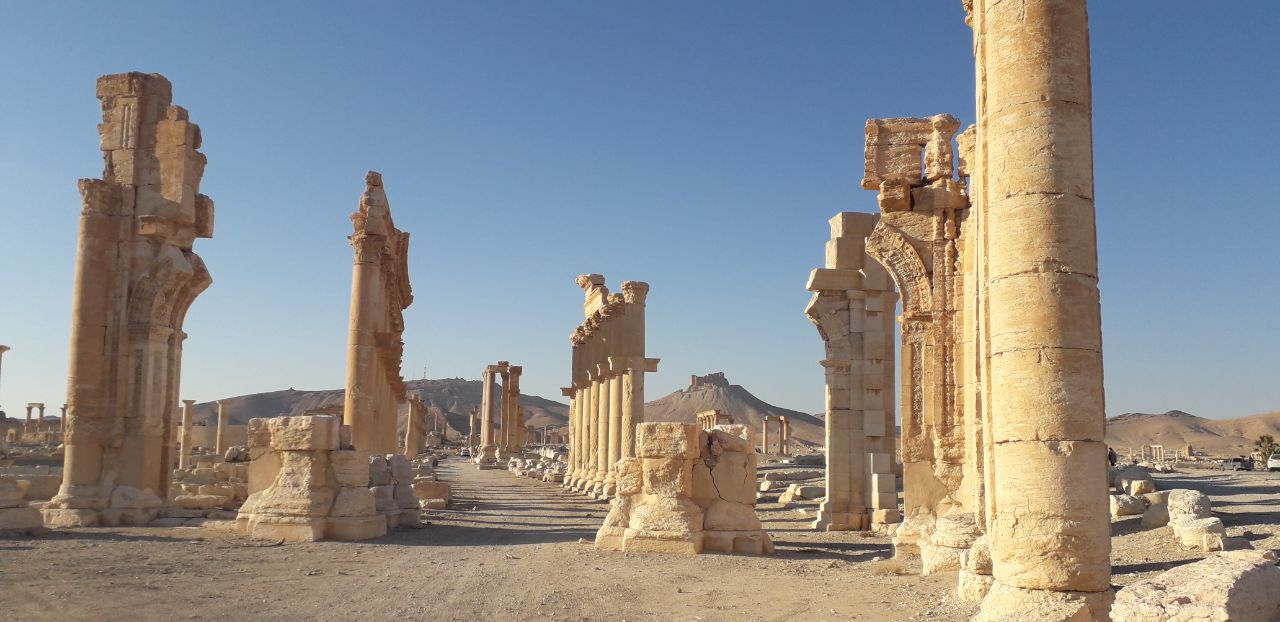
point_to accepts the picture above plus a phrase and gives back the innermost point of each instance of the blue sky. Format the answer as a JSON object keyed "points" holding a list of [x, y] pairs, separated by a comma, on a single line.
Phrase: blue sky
{"points": [[699, 146]]}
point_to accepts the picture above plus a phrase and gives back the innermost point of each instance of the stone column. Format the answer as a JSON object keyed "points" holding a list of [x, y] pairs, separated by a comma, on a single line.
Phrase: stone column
{"points": [[1049, 529], [26, 427], [471, 429], [361, 397], [785, 437], [764, 435], [488, 453], [222, 428], [3, 349], [602, 427], [511, 410], [615, 432], [634, 363], [184, 449], [62, 420]]}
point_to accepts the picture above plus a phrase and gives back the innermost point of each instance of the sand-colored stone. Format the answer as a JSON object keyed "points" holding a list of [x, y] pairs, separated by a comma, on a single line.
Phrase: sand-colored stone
{"points": [[852, 308], [1227, 587], [136, 277], [607, 392], [318, 490], [380, 291]]}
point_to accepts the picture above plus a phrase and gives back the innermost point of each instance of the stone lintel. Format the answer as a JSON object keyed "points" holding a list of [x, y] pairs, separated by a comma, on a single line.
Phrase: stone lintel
{"points": [[826, 279]]}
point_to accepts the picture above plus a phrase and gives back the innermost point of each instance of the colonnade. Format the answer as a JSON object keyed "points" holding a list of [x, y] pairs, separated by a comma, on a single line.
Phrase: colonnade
{"points": [[607, 392]]}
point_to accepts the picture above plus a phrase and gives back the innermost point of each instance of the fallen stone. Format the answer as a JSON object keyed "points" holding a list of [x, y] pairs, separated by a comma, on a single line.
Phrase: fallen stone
{"points": [[1228, 587], [1126, 505]]}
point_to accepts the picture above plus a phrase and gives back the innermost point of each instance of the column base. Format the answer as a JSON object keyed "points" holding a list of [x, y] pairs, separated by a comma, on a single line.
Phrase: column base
{"points": [[840, 521], [1004, 601]]}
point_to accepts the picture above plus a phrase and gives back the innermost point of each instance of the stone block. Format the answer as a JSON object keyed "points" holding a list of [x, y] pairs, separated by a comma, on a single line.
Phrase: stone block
{"points": [[679, 543], [24, 520], [1189, 504], [351, 502], [1155, 516], [883, 483], [886, 516], [852, 224], [352, 529], [1237, 586], [287, 528], [1195, 532], [668, 477], [434, 504], [384, 497], [730, 516], [430, 489], [304, 433], [405, 497], [874, 426], [630, 476], [1126, 505], [879, 463], [823, 279], [198, 502], [401, 470], [380, 471], [668, 440]]}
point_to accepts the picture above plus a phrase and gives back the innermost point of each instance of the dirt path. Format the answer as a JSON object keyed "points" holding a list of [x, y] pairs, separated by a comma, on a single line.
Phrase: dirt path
{"points": [[507, 550]]}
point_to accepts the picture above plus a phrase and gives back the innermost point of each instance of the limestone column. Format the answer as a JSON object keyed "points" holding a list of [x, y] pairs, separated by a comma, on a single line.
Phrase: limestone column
{"points": [[26, 427], [471, 429], [488, 453], [511, 409], [1049, 529], [592, 440], [62, 420], [615, 432], [222, 428], [764, 436], [634, 363], [184, 449], [602, 424], [361, 398]]}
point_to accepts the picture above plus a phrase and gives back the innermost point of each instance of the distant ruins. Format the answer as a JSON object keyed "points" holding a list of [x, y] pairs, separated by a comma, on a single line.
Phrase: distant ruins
{"points": [[136, 276], [380, 292], [607, 392]]}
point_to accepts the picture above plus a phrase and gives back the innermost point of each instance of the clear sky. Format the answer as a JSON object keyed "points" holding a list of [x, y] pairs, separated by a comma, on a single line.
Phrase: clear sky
{"points": [[699, 146]]}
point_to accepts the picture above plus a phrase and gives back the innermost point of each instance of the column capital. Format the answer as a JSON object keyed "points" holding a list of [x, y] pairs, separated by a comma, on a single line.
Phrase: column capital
{"points": [[837, 364], [188, 403], [635, 292]]}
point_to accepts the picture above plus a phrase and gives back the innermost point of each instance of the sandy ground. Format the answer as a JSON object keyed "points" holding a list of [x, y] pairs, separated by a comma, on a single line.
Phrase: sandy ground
{"points": [[509, 550]]}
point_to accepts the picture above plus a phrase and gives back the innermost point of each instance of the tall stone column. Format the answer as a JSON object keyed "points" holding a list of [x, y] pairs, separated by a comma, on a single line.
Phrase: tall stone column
{"points": [[602, 422], [838, 311], [222, 428], [592, 440], [62, 419], [764, 435], [1049, 528], [184, 449], [26, 426], [511, 410], [488, 453], [615, 432], [634, 364]]}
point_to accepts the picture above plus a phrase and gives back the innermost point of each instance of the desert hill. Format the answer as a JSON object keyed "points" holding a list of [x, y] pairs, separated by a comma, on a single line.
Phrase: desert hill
{"points": [[714, 391], [455, 397], [1176, 429]]}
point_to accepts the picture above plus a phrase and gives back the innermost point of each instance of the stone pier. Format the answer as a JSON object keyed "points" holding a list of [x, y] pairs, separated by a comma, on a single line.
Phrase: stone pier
{"points": [[380, 292], [1048, 522], [136, 277]]}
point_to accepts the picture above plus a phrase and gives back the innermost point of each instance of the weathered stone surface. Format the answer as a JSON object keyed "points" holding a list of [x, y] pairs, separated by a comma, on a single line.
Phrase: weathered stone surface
{"points": [[1155, 516], [1227, 587], [1126, 505], [667, 440]]}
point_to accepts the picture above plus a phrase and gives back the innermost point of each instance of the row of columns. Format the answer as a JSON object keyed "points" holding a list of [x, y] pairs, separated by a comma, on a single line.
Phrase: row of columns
{"points": [[607, 392], [782, 438], [495, 406]]}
